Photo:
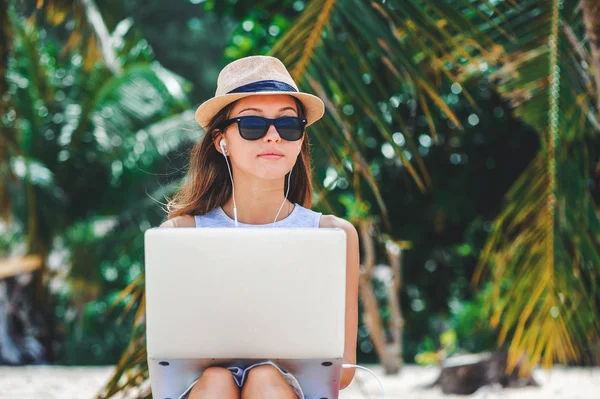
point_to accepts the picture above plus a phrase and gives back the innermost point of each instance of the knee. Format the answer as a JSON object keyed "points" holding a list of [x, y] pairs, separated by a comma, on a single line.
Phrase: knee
{"points": [[264, 374], [216, 374], [214, 379], [266, 381]]}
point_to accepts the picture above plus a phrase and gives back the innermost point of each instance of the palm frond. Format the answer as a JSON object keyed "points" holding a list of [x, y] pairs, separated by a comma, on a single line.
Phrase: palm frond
{"points": [[543, 282], [89, 33], [523, 77], [557, 266], [313, 21], [361, 58]]}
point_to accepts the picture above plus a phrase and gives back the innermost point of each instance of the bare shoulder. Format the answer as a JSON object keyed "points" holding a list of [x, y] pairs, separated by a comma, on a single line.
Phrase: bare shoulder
{"points": [[180, 221], [332, 221]]}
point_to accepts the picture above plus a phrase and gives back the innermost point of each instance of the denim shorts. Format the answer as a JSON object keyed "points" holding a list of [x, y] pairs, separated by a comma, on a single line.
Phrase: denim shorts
{"points": [[239, 376]]}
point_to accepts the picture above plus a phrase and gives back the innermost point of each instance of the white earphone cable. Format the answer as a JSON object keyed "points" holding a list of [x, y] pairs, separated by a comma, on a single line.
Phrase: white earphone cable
{"points": [[232, 185], [347, 366], [286, 195]]}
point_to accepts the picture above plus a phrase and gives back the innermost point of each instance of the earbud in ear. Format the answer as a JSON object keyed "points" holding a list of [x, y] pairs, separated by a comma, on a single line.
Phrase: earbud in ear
{"points": [[222, 144]]}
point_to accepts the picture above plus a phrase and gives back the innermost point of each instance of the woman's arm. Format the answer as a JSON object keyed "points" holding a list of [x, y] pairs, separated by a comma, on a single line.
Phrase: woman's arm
{"points": [[352, 272]]}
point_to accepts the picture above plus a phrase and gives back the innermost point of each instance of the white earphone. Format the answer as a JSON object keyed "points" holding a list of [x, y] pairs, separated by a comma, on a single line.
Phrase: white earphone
{"points": [[222, 145]]}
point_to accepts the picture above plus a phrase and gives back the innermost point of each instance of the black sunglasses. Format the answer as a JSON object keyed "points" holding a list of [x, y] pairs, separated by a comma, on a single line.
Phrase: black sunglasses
{"points": [[252, 127]]}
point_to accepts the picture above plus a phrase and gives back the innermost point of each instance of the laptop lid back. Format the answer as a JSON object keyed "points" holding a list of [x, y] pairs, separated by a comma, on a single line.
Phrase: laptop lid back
{"points": [[245, 293]]}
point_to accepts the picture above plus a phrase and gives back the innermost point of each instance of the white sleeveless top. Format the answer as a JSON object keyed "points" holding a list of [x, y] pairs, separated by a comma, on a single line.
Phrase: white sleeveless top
{"points": [[300, 217]]}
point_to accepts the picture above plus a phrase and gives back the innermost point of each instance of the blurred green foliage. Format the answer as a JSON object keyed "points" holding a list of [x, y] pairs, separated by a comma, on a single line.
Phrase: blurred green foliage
{"points": [[109, 188], [102, 150], [85, 145]]}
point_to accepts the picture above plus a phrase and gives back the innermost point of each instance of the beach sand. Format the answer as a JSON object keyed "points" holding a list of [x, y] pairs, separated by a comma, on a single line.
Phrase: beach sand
{"points": [[56, 382]]}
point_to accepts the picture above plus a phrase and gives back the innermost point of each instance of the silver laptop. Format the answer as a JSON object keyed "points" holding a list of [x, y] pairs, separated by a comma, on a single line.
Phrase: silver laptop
{"points": [[223, 296]]}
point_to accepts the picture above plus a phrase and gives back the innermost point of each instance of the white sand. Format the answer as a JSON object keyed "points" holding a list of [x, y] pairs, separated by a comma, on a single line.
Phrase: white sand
{"points": [[53, 382]]}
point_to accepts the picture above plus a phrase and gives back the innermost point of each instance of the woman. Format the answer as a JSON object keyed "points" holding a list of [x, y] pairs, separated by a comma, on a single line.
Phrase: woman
{"points": [[252, 169]]}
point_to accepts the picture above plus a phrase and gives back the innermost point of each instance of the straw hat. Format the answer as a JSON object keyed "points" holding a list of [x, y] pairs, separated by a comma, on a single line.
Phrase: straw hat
{"points": [[256, 75]]}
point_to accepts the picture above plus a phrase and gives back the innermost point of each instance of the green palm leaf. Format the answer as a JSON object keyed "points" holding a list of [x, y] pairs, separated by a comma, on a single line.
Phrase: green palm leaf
{"points": [[360, 56], [542, 243], [89, 35]]}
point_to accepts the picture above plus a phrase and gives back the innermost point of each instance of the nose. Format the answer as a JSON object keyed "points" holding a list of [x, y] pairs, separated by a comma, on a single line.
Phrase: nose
{"points": [[272, 135]]}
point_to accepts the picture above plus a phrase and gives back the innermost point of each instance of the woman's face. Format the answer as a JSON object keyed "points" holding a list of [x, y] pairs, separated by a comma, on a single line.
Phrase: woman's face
{"points": [[256, 157]]}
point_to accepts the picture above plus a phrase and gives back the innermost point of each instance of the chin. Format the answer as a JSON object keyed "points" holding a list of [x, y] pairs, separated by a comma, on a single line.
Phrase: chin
{"points": [[272, 173], [272, 176]]}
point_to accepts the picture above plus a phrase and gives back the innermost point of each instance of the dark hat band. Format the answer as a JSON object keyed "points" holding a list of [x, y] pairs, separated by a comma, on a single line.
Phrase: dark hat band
{"points": [[263, 85]]}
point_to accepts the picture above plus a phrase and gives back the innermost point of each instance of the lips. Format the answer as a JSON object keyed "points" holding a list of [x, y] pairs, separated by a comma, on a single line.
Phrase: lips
{"points": [[271, 154]]}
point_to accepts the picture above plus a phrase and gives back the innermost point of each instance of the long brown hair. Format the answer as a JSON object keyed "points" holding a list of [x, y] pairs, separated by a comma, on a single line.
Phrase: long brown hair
{"points": [[207, 184]]}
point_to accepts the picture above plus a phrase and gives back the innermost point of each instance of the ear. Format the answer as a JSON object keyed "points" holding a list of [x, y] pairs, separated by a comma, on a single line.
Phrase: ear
{"points": [[216, 141]]}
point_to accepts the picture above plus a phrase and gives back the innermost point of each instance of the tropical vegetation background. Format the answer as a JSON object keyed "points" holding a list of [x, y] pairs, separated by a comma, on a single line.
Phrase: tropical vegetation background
{"points": [[461, 137]]}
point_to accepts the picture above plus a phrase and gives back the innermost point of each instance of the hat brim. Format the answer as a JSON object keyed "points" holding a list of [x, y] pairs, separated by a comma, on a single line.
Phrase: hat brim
{"points": [[313, 105]]}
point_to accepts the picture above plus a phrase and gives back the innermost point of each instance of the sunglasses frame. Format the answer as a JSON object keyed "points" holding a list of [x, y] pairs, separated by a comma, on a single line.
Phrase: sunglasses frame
{"points": [[269, 122]]}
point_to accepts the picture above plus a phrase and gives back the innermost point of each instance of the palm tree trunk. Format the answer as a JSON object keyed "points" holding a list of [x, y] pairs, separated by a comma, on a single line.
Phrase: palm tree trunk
{"points": [[591, 18], [389, 354], [394, 253]]}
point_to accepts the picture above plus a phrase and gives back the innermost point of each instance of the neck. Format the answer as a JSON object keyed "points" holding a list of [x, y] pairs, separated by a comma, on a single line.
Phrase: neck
{"points": [[257, 200]]}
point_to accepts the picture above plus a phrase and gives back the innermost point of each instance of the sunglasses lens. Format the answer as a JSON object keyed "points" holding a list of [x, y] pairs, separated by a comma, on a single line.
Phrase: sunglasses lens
{"points": [[290, 128], [252, 128]]}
